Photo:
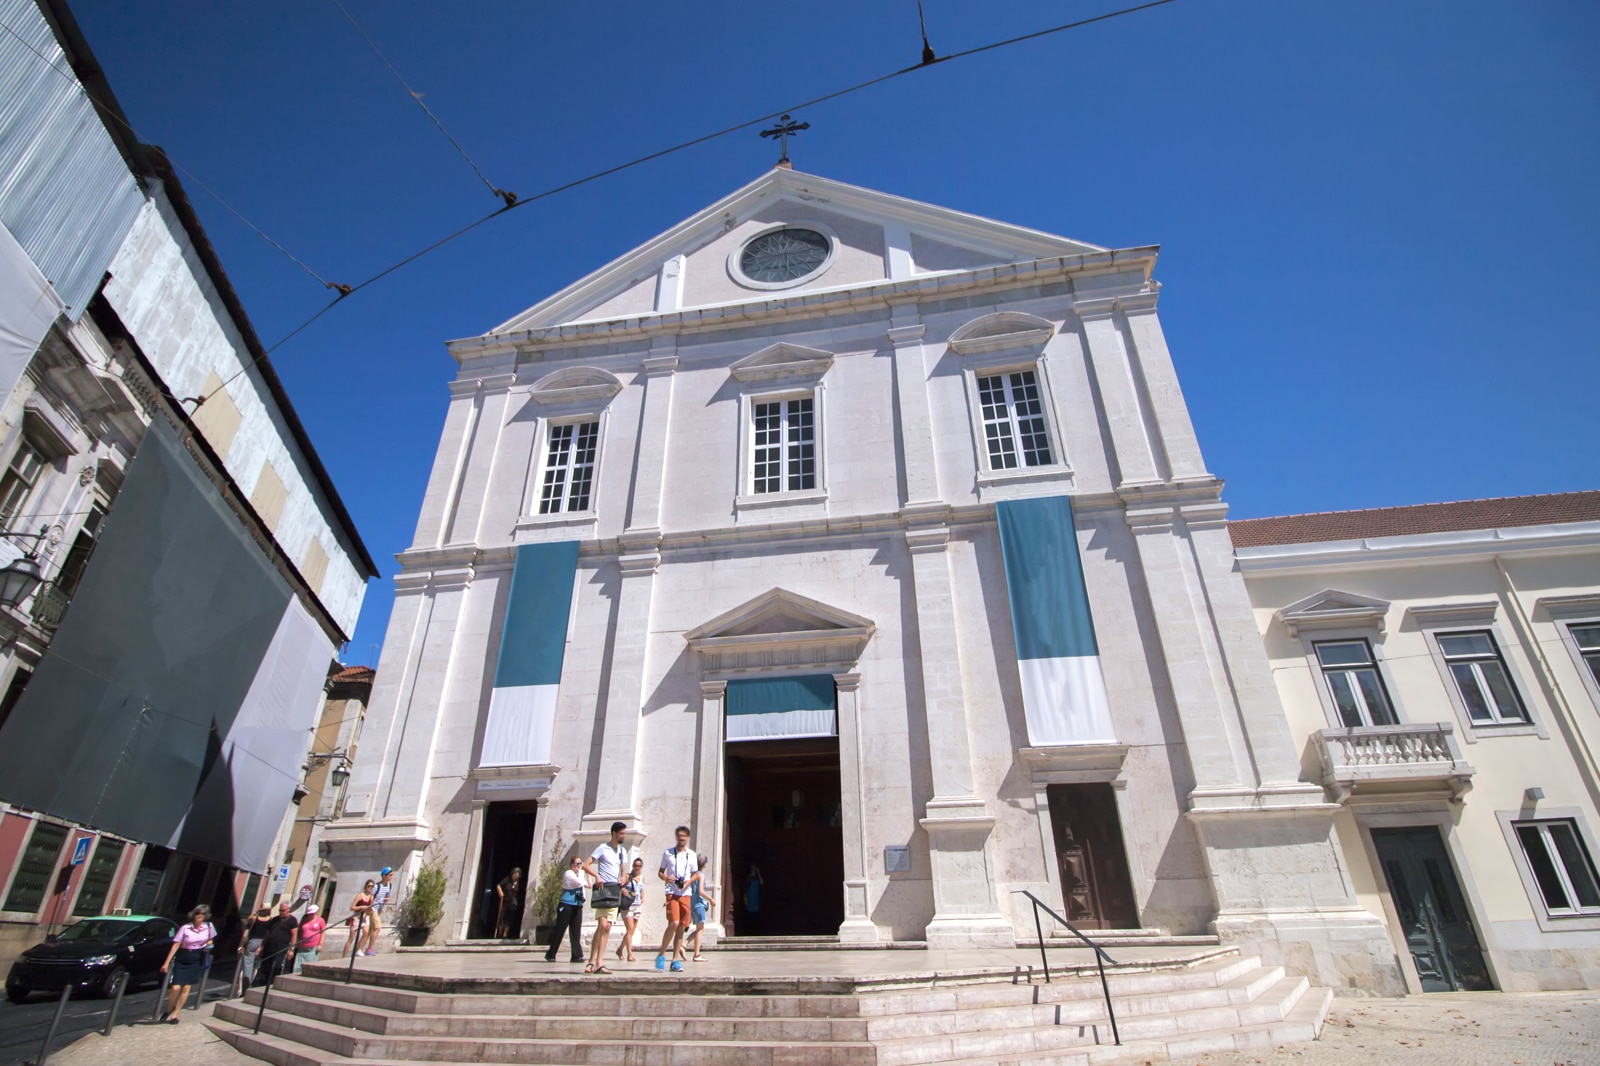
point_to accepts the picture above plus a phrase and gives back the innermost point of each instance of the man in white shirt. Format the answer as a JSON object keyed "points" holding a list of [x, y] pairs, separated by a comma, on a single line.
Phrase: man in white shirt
{"points": [[679, 871], [605, 865]]}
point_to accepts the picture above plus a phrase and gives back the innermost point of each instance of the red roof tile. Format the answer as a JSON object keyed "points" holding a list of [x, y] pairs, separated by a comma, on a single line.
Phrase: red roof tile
{"points": [[352, 674], [1550, 509]]}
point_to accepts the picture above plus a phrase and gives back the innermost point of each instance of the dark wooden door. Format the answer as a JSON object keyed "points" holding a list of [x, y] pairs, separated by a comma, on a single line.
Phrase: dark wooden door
{"points": [[1433, 913], [784, 818], [1095, 887]]}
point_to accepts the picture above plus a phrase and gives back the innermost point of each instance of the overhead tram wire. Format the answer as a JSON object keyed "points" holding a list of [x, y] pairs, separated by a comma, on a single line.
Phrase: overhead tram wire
{"points": [[510, 198], [115, 116], [546, 194]]}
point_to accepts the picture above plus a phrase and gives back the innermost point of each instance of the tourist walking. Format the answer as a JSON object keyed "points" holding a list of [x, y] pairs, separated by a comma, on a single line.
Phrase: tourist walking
{"points": [[678, 872], [569, 915], [508, 920], [605, 866], [632, 908], [276, 953], [311, 930], [360, 913], [186, 959], [249, 944], [699, 901], [380, 902]]}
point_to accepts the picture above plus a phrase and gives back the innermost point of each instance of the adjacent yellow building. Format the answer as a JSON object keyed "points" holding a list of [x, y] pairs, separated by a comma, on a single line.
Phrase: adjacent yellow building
{"points": [[1440, 667]]}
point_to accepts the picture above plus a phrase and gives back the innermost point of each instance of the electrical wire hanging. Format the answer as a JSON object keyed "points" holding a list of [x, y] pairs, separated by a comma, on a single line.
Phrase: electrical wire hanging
{"points": [[510, 198], [547, 193], [115, 116]]}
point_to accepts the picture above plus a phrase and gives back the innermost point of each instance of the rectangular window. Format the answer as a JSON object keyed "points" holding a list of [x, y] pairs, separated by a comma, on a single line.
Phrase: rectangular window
{"points": [[1588, 638], [17, 484], [102, 867], [1353, 679], [569, 467], [784, 438], [1561, 865], [1481, 677], [1013, 420], [36, 868]]}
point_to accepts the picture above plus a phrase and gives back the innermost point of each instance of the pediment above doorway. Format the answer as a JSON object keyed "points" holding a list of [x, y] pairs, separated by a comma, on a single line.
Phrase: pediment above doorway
{"points": [[781, 631]]}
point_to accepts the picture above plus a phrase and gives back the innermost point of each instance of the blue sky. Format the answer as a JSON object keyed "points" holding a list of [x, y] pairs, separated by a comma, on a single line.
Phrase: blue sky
{"points": [[1378, 221]]}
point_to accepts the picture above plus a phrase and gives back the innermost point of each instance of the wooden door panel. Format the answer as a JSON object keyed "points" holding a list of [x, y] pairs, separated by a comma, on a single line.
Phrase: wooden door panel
{"points": [[1096, 889]]}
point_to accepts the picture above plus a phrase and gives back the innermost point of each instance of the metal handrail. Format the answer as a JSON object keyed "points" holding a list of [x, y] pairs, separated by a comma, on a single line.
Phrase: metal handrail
{"points": [[266, 989], [1100, 956]]}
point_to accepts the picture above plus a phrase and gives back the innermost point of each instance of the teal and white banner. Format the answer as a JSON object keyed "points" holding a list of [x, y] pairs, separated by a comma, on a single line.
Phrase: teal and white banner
{"points": [[1063, 690], [533, 643], [782, 708]]}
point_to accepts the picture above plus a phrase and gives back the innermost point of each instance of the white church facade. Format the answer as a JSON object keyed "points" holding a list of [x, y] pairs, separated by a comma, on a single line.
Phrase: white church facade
{"points": [[872, 541]]}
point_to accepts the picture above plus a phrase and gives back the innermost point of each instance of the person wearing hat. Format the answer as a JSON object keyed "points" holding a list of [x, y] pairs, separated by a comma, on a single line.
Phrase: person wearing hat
{"points": [[310, 937], [380, 901]]}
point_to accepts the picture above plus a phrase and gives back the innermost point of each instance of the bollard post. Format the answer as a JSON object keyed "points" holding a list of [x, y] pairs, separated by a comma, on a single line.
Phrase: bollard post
{"points": [[161, 1000], [200, 993], [55, 1024], [116, 1004]]}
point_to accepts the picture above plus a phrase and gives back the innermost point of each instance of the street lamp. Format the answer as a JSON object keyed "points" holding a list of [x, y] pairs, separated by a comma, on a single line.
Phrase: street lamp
{"points": [[339, 775], [18, 580]]}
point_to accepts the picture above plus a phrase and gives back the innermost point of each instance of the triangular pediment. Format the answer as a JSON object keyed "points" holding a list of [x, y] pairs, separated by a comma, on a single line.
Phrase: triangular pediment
{"points": [[779, 611], [1334, 609], [782, 360], [876, 238]]}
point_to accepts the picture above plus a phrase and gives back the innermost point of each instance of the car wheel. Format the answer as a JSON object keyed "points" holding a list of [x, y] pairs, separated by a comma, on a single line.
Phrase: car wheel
{"points": [[108, 984], [16, 993]]}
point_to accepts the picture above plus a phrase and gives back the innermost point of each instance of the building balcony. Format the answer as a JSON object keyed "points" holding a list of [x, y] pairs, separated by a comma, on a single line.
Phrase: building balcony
{"points": [[1389, 760], [50, 605]]}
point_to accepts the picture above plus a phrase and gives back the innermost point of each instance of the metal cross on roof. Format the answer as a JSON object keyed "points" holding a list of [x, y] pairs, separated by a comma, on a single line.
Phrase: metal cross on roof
{"points": [[782, 131]]}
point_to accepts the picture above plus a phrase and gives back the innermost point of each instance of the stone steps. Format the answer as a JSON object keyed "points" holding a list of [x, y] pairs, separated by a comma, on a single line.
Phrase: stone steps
{"points": [[1218, 1002]]}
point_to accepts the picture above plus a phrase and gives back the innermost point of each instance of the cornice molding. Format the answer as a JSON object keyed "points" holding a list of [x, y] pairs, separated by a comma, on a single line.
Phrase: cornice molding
{"points": [[1564, 539]]}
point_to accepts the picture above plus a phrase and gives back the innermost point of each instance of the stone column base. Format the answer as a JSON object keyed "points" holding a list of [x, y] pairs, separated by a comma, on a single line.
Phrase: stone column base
{"points": [[959, 931], [1348, 951], [1282, 890]]}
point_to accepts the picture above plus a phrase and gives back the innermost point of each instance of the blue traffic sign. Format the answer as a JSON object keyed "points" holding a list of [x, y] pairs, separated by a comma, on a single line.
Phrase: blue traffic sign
{"points": [[80, 854]]}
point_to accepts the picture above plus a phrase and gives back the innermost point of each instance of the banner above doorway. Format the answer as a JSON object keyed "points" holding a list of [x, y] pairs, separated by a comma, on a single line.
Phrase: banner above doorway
{"points": [[782, 708]]}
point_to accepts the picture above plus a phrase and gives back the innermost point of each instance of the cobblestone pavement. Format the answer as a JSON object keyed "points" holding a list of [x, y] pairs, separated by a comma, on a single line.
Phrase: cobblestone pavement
{"points": [[1481, 1029], [1487, 1028]]}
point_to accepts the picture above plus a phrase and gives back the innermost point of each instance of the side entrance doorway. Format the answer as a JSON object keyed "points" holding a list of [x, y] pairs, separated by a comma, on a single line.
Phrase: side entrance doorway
{"points": [[783, 820], [507, 843], [1095, 885], [1432, 911]]}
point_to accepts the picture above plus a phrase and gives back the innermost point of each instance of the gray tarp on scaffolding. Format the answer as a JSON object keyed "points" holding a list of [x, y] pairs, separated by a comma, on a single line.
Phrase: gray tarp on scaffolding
{"points": [[174, 705]]}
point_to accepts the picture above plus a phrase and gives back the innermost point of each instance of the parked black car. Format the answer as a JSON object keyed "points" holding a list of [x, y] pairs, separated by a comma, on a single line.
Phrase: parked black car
{"points": [[90, 954]]}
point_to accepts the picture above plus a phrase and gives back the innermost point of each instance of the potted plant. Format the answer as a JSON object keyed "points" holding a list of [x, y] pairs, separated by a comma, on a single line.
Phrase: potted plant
{"points": [[424, 906], [547, 891]]}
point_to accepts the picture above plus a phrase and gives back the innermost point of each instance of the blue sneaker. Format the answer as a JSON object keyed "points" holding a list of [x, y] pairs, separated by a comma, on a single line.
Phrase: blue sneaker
{"points": [[661, 962], [677, 967]]}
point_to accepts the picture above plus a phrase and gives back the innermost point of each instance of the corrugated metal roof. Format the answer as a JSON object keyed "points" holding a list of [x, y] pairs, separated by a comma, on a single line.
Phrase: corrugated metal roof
{"points": [[66, 193]]}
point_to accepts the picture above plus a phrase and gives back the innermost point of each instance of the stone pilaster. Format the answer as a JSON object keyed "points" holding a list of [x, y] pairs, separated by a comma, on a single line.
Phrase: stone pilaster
{"points": [[957, 820], [911, 400], [1135, 456], [1168, 409], [858, 927], [644, 512], [710, 801], [1268, 839], [619, 743]]}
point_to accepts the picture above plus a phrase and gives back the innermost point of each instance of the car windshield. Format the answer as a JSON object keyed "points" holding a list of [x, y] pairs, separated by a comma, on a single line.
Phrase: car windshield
{"points": [[99, 929]]}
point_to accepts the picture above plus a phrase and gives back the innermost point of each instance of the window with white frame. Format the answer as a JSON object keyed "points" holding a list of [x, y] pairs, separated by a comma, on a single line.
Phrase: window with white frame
{"points": [[1561, 865], [1480, 674], [1587, 637], [784, 445], [1014, 427], [19, 480], [1354, 682], [569, 467]]}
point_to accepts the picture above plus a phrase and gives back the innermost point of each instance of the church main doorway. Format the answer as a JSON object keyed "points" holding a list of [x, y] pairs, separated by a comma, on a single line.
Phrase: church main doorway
{"points": [[1095, 886], [783, 825], [507, 843]]}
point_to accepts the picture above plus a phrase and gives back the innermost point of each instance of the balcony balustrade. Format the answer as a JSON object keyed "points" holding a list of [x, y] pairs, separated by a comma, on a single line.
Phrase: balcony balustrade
{"points": [[1391, 759]]}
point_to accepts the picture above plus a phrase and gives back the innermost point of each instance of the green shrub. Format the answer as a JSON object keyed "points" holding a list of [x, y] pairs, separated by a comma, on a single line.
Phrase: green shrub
{"points": [[547, 892], [424, 907]]}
